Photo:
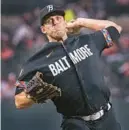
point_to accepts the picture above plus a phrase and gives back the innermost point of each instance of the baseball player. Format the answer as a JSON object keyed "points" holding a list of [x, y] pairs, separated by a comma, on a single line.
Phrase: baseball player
{"points": [[66, 70]]}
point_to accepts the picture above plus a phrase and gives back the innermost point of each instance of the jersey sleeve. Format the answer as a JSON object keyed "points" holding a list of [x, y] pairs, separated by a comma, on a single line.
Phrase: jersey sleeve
{"points": [[20, 85], [22, 81], [18, 90], [105, 37]]}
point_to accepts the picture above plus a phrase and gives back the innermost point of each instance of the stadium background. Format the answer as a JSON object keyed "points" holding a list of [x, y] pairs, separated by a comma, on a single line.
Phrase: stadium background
{"points": [[21, 37]]}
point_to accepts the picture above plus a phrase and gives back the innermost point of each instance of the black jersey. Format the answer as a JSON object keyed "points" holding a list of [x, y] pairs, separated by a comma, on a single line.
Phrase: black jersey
{"points": [[73, 67]]}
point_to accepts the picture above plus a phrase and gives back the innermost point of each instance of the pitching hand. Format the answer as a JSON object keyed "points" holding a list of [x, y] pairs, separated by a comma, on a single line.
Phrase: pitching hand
{"points": [[73, 27]]}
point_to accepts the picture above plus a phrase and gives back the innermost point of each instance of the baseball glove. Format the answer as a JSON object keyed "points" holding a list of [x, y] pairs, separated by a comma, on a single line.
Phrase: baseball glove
{"points": [[39, 91]]}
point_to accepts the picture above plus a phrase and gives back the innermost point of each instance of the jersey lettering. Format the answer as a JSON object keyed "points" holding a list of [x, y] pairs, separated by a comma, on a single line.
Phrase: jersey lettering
{"points": [[76, 56], [53, 69], [59, 66], [80, 54], [65, 60], [88, 50]]}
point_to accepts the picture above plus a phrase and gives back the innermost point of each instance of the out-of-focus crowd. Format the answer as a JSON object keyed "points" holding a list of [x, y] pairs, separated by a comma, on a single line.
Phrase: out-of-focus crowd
{"points": [[21, 37]]}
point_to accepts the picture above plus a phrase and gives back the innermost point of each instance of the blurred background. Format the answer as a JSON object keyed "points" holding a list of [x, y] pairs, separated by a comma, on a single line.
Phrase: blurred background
{"points": [[21, 37]]}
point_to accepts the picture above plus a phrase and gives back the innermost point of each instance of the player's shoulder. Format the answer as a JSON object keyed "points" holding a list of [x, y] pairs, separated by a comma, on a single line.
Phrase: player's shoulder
{"points": [[34, 62], [77, 37], [85, 37], [41, 52]]}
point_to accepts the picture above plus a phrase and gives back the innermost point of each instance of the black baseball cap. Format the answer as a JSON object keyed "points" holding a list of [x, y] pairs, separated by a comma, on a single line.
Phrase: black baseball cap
{"points": [[50, 10]]}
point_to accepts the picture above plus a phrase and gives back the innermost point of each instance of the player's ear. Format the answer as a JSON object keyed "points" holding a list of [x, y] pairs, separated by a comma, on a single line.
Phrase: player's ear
{"points": [[43, 29]]}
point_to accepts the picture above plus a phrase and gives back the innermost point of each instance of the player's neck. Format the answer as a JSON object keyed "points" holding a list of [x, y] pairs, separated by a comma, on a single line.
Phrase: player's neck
{"points": [[58, 40]]}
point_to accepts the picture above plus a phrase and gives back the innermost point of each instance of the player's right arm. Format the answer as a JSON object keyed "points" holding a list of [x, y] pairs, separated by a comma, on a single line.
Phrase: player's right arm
{"points": [[21, 101], [98, 24], [93, 24]]}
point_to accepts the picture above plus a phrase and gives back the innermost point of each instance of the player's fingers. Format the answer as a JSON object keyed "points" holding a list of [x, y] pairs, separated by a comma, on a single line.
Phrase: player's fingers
{"points": [[70, 25]]}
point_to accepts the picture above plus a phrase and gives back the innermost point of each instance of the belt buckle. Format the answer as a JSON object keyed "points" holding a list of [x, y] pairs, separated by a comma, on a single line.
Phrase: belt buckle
{"points": [[106, 107], [109, 106], [98, 114], [94, 116]]}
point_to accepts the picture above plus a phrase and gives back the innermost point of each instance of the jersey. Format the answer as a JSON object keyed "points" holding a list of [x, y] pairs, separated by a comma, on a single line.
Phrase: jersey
{"points": [[73, 67]]}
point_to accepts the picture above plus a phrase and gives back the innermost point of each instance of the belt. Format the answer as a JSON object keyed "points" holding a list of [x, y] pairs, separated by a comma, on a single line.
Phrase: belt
{"points": [[96, 115]]}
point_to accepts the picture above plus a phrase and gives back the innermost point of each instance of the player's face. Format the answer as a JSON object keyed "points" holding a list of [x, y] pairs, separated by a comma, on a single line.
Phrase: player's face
{"points": [[55, 27]]}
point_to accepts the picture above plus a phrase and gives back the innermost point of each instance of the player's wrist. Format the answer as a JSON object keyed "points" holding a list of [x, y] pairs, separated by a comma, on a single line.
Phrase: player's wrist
{"points": [[30, 98], [81, 22], [89, 23]]}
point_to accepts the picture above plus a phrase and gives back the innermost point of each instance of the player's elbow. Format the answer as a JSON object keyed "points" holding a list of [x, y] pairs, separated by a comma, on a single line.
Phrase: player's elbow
{"points": [[118, 27]]}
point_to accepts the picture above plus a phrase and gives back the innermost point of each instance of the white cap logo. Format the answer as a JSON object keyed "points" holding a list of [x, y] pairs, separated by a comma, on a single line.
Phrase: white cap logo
{"points": [[50, 7]]}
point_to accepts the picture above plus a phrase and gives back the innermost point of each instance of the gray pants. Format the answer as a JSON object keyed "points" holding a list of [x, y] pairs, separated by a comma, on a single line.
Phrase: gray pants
{"points": [[107, 122]]}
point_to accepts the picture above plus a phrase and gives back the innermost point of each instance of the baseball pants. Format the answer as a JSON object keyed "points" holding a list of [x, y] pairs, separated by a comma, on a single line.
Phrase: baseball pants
{"points": [[107, 122]]}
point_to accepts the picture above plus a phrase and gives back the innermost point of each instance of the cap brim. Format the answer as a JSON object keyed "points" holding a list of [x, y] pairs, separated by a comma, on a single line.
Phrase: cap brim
{"points": [[56, 12]]}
